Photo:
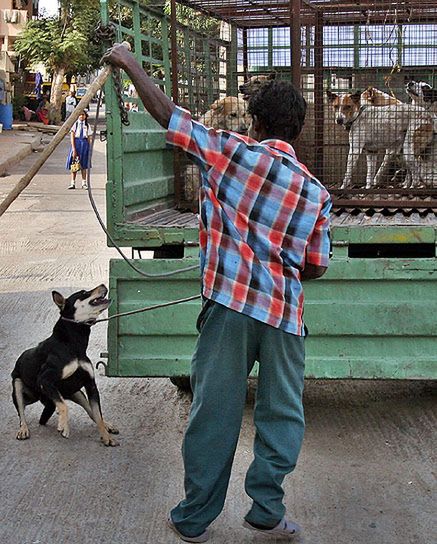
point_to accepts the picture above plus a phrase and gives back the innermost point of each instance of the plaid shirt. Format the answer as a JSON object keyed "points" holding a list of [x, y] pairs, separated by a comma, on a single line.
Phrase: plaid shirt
{"points": [[263, 216]]}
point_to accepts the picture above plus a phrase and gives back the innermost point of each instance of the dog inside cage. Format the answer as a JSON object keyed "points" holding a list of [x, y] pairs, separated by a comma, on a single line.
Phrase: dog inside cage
{"points": [[367, 70]]}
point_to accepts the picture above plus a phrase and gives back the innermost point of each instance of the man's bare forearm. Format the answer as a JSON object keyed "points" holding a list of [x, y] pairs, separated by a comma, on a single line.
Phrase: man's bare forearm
{"points": [[155, 101]]}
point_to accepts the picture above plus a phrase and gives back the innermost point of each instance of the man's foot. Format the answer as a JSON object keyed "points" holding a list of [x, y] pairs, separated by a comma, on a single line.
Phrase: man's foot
{"points": [[84, 185], [72, 186], [201, 538], [284, 529]]}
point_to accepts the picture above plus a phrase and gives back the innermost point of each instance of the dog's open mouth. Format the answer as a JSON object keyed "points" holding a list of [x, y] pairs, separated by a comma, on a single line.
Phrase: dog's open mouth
{"points": [[100, 301]]}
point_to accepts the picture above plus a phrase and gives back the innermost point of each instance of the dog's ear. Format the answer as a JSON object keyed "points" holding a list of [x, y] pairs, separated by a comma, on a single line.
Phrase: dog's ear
{"points": [[218, 106], [331, 96], [272, 75], [58, 299], [356, 97]]}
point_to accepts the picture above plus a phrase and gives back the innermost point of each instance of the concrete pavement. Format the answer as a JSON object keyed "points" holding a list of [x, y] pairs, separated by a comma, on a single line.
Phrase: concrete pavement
{"points": [[15, 145], [365, 475]]}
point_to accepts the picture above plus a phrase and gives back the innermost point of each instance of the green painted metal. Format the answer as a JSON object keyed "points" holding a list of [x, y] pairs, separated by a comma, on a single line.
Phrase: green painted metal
{"points": [[368, 318], [139, 165]]}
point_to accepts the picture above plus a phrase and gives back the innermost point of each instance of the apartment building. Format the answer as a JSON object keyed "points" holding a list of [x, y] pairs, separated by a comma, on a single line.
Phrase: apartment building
{"points": [[13, 17]]}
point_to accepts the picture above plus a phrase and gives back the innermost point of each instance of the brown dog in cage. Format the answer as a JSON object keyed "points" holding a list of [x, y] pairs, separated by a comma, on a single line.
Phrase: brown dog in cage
{"points": [[253, 84], [229, 113], [374, 97], [372, 129]]}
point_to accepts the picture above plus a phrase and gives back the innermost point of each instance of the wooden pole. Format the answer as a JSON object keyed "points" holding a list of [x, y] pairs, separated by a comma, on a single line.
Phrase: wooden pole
{"points": [[59, 136]]}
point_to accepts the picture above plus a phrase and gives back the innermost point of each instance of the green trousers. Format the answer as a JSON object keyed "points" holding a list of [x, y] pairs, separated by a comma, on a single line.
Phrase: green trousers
{"points": [[228, 345]]}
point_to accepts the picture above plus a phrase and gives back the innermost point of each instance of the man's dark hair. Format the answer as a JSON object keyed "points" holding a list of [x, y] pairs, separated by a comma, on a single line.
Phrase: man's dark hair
{"points": [[280, 108]]}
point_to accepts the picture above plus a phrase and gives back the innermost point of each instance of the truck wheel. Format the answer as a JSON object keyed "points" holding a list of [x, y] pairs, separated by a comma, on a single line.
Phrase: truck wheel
{"points": [[182, 383]]}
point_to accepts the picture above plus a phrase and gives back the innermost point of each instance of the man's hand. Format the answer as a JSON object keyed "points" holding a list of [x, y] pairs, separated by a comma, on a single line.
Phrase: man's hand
{"points": [[311, 272], [154, 100], [118, 55]]}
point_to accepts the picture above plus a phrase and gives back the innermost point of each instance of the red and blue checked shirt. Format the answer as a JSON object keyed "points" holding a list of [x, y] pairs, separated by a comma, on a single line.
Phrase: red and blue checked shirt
{"points": [[263, 216]]}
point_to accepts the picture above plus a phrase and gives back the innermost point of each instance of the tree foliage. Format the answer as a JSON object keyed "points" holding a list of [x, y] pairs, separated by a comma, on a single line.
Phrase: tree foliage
{"points": [[65, 41]]}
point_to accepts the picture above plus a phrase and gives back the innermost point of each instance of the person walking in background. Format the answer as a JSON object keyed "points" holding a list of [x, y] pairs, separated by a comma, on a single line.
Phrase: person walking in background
{"points": [[70, 104], [78, 156]]}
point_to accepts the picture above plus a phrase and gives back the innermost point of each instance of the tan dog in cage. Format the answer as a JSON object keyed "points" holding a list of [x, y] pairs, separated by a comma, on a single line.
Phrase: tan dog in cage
{"points": [[229, 113], [372, 129], [375, 97], [254, 83]]}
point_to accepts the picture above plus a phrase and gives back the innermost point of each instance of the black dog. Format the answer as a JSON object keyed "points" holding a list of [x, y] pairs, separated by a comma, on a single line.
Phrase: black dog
{"points": [[58, 368]]}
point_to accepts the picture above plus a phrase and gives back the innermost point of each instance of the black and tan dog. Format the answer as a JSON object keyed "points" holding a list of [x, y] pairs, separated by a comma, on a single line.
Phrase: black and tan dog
{"points": [[58, 368]]}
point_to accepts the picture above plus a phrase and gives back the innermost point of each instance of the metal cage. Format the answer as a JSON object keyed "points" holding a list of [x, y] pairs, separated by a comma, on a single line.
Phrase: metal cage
{"points": [[349, 59]]}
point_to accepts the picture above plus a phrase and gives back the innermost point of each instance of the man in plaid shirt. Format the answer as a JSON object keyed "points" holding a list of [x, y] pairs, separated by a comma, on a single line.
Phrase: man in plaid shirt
{"points": [[264, 227]]}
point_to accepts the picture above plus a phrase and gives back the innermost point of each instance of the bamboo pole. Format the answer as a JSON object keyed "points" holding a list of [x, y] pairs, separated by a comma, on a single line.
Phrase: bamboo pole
{"points": [[65, 129]]}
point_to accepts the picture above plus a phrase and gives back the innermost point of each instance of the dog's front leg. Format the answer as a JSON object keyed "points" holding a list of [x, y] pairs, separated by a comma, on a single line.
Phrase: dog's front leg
{"points": [[94, 400], [390, 155], [372, 162], [355, 151], [47, 381], [18, 398], [80, 399]]}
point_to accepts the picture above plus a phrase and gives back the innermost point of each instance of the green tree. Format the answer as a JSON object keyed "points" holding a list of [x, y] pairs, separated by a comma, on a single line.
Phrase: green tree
{"points": [[63, 43]]}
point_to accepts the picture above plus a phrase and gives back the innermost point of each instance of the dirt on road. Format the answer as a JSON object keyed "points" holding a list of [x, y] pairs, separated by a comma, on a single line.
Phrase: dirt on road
{"points": [[365, 475]]}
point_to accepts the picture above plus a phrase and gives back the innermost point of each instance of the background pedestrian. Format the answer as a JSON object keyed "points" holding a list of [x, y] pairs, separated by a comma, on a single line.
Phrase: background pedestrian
{"points": [[70, 104], [79, 151]]}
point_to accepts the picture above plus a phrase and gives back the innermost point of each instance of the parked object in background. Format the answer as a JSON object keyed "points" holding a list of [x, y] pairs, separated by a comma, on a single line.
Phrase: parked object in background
{"points": [[81, 91]]}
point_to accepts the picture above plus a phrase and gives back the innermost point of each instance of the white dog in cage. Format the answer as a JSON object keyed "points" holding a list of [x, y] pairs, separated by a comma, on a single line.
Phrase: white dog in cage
{"points": [[422, 94], [372, 129]]}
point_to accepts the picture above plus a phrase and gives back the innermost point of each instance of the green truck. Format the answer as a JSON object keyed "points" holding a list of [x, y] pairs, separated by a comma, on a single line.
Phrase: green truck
{"points": [[373, 315]]}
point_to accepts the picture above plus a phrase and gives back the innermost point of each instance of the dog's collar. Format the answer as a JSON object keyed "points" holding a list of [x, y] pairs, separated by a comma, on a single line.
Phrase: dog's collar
{"points": [[89, 323], [349, 124]]}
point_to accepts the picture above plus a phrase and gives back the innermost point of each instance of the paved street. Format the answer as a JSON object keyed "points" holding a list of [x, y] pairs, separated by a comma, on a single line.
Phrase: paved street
{"points": [[365, 475]]}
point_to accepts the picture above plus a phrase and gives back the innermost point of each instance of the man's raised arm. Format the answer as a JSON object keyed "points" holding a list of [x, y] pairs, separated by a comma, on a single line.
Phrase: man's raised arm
{"points": [[155, 101]]}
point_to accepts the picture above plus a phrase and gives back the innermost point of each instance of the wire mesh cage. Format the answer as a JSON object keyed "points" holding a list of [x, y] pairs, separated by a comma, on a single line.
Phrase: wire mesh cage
{"points": [[367, 69]]}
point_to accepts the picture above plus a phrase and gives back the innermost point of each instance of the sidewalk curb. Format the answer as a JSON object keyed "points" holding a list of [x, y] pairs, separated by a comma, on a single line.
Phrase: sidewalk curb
{"points": [[21, 154]]}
